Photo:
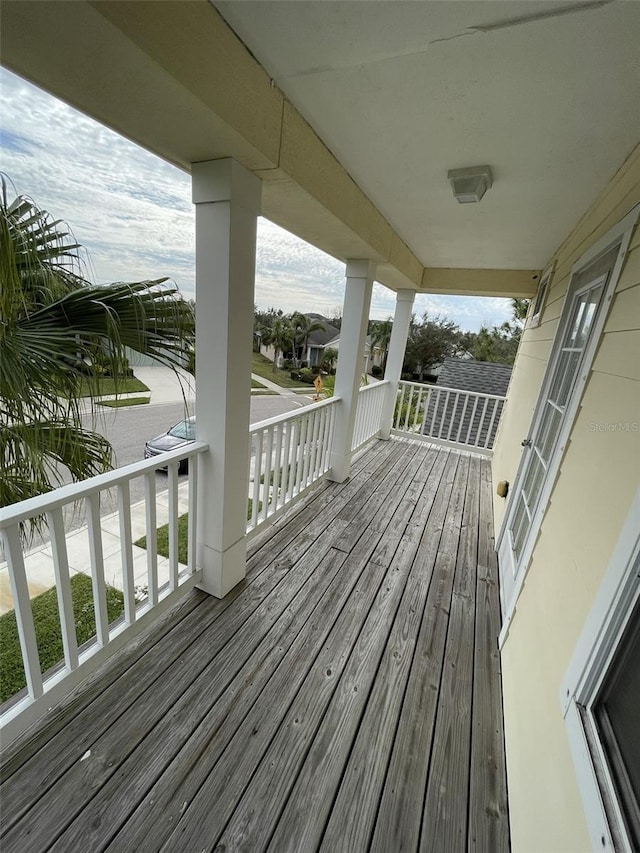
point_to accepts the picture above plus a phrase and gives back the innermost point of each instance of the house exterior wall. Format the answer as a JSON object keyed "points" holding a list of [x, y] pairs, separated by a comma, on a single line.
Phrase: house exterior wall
{"points": [[596, 483]]}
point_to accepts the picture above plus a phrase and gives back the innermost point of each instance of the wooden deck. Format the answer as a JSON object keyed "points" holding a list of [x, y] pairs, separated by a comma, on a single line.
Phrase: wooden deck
{"points": [[346, 697]]}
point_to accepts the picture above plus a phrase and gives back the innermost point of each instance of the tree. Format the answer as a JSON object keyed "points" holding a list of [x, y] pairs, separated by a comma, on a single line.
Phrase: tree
{"points": [[279, 336], [329, 358], [500, 343], [58, 331], [429, 342], [380, 337], [303, 326]]}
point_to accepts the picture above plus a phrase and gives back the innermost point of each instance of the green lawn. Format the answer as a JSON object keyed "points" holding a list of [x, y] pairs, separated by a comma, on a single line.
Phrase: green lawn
{"points": [[183, 534], [125, 401], [47, 624], [107, 385], [263, 367]]}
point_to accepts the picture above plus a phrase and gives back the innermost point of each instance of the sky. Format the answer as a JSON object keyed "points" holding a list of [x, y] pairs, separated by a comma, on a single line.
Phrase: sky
{"points": [[133, 213]]}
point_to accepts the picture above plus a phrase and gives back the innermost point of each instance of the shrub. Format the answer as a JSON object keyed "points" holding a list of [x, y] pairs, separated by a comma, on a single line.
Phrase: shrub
{"points": [[306, 375], [377, 371]]}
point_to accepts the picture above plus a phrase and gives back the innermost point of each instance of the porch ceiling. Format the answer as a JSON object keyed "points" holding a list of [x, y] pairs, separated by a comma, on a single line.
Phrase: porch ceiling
{"points": [[357, 110]]}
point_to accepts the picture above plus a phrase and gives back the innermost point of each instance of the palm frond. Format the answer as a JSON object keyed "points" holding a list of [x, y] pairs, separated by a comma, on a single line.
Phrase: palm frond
{"points": [[57, 330]]}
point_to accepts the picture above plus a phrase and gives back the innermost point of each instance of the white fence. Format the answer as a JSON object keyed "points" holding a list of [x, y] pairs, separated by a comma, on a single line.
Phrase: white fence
{"points": [[288, 454], [463, 419], [369, 412], [44, 689]]}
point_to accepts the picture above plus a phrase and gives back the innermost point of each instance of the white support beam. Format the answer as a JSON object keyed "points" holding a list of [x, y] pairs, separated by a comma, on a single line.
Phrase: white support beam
{"points": [[353, 333], [395, 356], [227, 199], [480, 282]]}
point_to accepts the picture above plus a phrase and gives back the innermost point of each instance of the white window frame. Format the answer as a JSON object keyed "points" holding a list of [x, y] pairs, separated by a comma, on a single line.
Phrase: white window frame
{"points": [[621, 234], [540, 299], [617, 596]]}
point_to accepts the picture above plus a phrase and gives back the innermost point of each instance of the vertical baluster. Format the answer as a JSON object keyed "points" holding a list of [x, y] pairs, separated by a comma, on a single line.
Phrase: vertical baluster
{"points": [[308, 444], [443, 414], [172, 471], [269, 473], [488, 442], [278, 484], [63, 588], [152, 536], [481, 424], [407, 414], [473, 417], [286, 462], [356, 425], [313, 469], [322, 441], [332, 432], [126, 550], [436, 405], [22, 607], [300, 456], [92, 508], [399, 405], [417, 411], [453, 415], [194, 464], [293, 470], [366, 421], [464, 411], [257, 471]]}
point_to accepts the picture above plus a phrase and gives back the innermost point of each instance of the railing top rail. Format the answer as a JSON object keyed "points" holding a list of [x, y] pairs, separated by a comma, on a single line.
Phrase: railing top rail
{"points": [[17, 513], [453, 390], [371, 386], [290, 416]]}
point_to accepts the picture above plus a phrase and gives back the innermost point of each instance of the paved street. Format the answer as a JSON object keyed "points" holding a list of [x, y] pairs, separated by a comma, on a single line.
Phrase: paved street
{"points": [[128, 428]]}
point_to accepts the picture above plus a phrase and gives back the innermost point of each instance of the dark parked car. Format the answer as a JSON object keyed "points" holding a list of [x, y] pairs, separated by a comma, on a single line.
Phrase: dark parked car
{"points": [[180, 434]]}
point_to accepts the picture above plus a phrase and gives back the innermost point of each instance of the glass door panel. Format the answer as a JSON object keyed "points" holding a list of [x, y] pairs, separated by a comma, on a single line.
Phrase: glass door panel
{"points": [[577, 322]]}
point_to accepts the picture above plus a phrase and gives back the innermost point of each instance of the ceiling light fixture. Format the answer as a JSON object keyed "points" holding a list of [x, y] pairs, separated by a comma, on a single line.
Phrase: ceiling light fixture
{"points": [[470, 184]]}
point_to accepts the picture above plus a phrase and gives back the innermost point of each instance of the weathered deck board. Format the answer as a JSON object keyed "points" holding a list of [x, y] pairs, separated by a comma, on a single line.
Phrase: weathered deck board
{"points": [[488, 810], [345, 697]]}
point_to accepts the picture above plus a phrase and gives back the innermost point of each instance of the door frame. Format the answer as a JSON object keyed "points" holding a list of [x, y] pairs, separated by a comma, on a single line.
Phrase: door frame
{"points": [[601, 633], [620, 234]]}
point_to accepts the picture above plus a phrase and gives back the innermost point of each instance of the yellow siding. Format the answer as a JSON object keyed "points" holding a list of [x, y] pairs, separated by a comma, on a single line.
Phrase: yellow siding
{"points": [[598, 478]]}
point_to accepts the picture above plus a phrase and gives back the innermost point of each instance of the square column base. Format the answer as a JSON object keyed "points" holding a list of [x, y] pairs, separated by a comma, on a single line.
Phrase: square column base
{"points": [[222, 570]]}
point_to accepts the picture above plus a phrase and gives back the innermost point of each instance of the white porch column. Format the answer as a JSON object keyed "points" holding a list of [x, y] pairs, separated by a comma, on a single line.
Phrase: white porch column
{"points": [[353, 334], [227, 199], [395, 356]]}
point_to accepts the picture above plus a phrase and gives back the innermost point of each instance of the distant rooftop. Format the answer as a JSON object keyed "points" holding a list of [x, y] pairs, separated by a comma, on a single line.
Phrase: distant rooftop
{"points": [[483, 377]]}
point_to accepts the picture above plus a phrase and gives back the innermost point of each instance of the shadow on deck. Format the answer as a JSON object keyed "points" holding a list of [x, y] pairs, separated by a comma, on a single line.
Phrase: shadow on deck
{"points": [[346, 696]]}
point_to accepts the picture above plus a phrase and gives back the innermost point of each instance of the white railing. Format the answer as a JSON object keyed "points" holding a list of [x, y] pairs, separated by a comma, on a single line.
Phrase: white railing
{"points": [[288, 454], [450, 416], [369, 412], [44, 689]]}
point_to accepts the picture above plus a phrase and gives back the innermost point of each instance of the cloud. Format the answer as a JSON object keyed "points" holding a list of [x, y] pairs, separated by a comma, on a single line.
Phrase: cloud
{"points": [[133, 213]]}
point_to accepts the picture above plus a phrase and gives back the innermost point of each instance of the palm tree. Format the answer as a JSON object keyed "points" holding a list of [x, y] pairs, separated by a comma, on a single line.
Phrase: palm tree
{"points": [[330, 357], [55, 327], [380, 338], [303, 326], [279, 336]]}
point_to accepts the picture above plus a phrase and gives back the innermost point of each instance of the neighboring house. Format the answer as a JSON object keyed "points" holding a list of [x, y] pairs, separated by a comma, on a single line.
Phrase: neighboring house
{"points": [[318, 341], [372, 358], [313, 353], [461, 415]]}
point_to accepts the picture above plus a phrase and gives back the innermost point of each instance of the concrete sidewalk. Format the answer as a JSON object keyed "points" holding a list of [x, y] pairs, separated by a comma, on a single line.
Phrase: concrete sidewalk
{"points": [[39, 562], [164, 387]]}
